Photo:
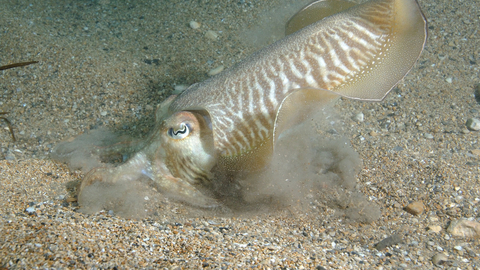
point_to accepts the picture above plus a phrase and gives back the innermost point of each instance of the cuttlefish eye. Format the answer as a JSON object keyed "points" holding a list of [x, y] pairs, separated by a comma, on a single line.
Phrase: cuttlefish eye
{"points": [[179, 133]]}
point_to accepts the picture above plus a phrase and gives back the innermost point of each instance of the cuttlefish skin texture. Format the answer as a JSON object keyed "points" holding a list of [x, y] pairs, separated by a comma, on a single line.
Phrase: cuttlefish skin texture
{"points": [[230, 122]]}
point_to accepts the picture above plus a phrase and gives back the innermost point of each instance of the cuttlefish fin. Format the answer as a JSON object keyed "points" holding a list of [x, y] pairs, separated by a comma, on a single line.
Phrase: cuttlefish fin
{"points": [[404, 37], [403, 43], [294, 109], [315, 11], [162, 108], [298, 105]]}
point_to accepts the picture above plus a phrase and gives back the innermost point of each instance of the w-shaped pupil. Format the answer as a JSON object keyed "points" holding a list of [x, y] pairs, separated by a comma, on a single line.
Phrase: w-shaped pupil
{"points": [[183, 130]]}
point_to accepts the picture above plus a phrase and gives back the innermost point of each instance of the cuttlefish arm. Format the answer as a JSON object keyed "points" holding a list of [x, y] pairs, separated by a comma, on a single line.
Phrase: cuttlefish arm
{"points": [[230, 122], [177, 156]]}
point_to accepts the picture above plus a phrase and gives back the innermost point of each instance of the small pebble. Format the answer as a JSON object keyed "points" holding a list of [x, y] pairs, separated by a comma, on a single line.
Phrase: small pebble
{"points": [[389, 241], [415, 208], [477, 93], [459, 248], [30, 210], [471, 253], [71, 199], [194, 25], [397, 205], [10, 156], [473, 124], [464, 228], [398, 149], [359, 117], [476, 152], [435, 228], [439, 259], [428, 136], [216, 70], [449, 80]]}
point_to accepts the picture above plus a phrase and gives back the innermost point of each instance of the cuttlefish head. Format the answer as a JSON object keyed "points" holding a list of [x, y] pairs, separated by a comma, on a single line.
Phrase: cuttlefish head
{"points": [[178, 157], [187, 148]]}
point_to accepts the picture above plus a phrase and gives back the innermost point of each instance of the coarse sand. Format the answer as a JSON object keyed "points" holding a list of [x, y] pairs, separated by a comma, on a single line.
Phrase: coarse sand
{"points": [[106, 64]]}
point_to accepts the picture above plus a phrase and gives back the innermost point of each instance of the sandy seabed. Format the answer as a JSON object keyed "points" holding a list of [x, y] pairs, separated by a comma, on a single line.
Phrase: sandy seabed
{"points": [[108, 64]]}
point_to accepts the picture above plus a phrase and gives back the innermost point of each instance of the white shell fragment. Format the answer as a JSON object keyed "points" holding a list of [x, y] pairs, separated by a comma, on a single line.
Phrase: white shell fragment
{"points": [[179, 88], [216, 70], [211, 35], [194, 25]]}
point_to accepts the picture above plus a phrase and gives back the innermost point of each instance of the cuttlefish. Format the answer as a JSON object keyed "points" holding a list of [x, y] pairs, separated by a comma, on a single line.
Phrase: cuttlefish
{"points": [[230, 122]]}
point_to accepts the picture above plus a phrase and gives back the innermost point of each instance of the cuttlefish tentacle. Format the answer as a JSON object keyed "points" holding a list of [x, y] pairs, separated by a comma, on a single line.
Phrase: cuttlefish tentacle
{"points": [[139, 167], [230, 122]]}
